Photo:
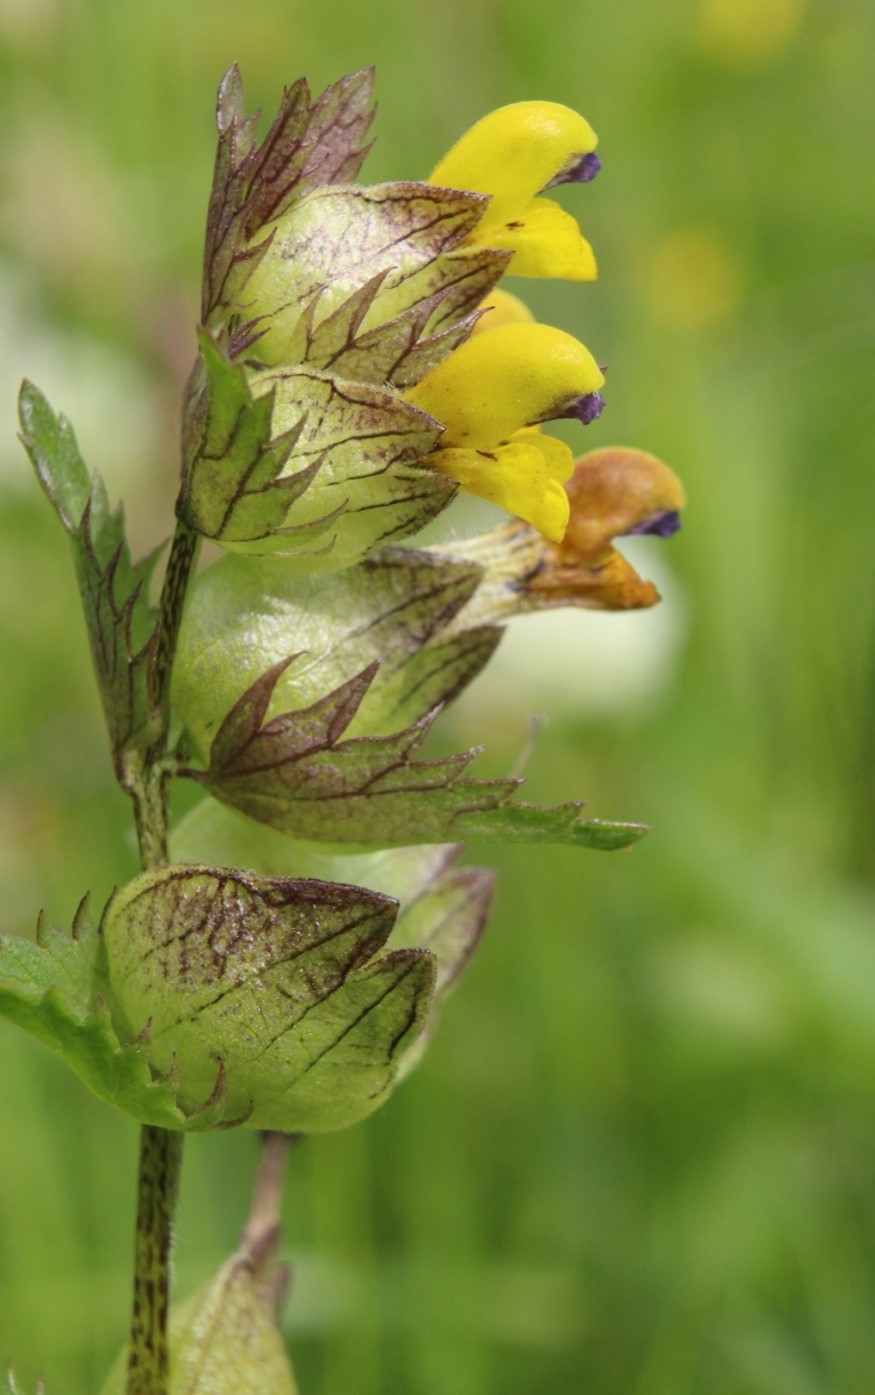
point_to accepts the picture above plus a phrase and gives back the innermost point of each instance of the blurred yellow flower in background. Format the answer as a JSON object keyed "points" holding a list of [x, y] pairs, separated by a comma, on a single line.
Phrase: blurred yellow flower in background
{"points": [[692, 280], [746, 33]]}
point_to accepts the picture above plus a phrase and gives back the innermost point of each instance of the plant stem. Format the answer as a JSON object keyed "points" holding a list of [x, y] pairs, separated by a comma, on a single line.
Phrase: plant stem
{"points": [[263, 1221], [148, 789], [183, 554], [261, 1233], [157, 1188], [160, 1149]]}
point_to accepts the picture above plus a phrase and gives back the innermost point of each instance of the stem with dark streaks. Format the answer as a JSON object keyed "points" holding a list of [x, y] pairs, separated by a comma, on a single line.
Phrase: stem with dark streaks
{"points": [[160, 1149], [157, 1189]]}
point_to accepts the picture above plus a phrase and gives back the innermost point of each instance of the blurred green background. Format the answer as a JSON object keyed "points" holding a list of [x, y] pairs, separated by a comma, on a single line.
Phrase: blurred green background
{"points": [[639, 1157]]}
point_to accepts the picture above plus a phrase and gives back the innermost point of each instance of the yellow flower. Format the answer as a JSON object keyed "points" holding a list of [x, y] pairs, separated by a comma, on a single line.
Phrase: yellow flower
{"points": [[490, 395], [613, 493], [514, 154], [502, 308]]}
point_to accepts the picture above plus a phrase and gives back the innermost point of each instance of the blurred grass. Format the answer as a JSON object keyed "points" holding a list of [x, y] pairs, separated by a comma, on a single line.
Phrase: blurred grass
{"points": [[638, 1157]]}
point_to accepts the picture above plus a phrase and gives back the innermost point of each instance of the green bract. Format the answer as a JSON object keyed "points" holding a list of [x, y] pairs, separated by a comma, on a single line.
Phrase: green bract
{"points": [[276, 979], [57, 988], [246, 616], [209, 996], [297, 773]]}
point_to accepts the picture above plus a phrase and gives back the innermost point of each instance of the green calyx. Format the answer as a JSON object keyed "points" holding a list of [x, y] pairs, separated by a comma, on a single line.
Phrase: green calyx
{"points": [[209, 997], [324, 301], [325, 743]]}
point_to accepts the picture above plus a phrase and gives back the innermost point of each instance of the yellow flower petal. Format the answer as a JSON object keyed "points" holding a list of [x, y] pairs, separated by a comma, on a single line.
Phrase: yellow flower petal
{"points": [[496, 383], [558, 458], [516, 476], [545, 240], [514, 153], [501, 308]]}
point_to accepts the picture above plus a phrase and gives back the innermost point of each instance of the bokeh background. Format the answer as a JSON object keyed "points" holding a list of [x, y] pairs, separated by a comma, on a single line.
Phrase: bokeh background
{"points": [[640, 1156]]}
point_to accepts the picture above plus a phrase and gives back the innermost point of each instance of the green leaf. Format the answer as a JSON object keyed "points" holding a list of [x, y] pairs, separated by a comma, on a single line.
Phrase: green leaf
{"points": [[309, 143], [233, 488], [243, 614], [296, 774], [57, 988], [122, 626], [275, 978]]}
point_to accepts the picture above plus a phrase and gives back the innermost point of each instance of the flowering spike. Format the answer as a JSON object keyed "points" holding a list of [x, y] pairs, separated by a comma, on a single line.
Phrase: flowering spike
{"points": [[377, 291], [356, 366]]}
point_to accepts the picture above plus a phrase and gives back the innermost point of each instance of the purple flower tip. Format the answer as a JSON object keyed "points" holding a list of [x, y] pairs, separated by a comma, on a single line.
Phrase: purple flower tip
{"points": [[660, 525], [581, 171], [586, 168], [587, 409]]}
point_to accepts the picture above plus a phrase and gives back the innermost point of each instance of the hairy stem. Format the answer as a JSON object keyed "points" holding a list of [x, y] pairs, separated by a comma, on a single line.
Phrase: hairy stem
{"points": [[160, 1149], [148, 789], [157, 1187]]}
